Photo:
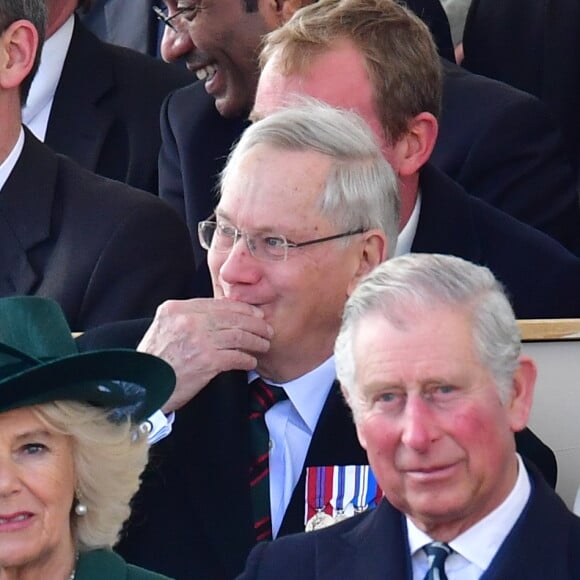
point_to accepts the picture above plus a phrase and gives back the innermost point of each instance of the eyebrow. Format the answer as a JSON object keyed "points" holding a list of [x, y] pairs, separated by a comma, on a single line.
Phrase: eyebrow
{"points": [[35, 434], [218, 213]]}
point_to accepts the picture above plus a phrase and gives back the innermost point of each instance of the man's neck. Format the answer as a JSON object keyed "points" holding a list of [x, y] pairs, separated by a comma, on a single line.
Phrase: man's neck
{"points": [[58, 13], [10, 123], [408, 192]]}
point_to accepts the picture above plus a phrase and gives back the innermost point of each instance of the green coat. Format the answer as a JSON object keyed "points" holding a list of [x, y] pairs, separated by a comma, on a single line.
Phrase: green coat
{"points": [[105, 564]]}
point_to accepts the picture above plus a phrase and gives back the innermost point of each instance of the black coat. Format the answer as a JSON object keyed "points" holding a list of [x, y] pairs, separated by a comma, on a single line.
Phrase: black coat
{"points": [[105, 113], [103, 250]]}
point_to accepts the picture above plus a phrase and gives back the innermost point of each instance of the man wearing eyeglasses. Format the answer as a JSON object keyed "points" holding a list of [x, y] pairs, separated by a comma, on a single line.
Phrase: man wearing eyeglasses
{"points": [[289, 241]]}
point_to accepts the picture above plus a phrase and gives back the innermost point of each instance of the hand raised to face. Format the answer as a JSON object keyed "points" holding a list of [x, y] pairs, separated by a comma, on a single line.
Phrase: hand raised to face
{"points": [[201, 338]]}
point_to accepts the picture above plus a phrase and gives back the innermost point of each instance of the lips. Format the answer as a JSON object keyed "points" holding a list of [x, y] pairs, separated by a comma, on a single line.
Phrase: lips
{"points": [[15, 521], [432, 472]]}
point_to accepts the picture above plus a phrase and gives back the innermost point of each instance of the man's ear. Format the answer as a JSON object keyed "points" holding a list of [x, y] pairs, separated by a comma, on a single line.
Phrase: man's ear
{"points": [[18, 46], [372, 251], [278, 12], [521, 397], [414, 148]]}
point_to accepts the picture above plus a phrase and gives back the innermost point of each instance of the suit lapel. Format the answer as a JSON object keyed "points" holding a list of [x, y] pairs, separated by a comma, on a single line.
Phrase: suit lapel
{"points": [[538, 544], [334, 442], [368, 550], [218, 477], [87, 77], [26, 203], [446, 224]]}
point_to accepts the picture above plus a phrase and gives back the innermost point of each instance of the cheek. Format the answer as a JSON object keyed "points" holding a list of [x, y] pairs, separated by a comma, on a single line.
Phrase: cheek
{"points": [[474, 429], [379, 439]]}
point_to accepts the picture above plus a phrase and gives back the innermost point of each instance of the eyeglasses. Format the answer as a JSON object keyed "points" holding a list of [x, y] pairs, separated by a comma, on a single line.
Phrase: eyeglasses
{"points": [[171, 21], [222, 237]]}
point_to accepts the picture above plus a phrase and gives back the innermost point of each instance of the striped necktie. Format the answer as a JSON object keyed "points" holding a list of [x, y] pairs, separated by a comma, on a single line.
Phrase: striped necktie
{"points": [[262, 398], [437, 553]]}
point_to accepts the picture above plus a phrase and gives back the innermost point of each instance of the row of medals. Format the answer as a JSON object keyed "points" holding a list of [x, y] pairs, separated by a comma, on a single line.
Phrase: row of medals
{"points": [[322, 520]]}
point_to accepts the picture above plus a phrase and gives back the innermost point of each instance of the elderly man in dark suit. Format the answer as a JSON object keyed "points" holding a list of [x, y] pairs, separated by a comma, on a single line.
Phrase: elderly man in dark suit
{"points": [[429, 358], [98, 103], [284, 251], [101, 249], [498, 143]]}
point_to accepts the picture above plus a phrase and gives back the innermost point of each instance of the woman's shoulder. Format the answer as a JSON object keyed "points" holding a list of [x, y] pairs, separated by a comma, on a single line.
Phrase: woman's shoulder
{"points": [[136, 573], [99, 564]]}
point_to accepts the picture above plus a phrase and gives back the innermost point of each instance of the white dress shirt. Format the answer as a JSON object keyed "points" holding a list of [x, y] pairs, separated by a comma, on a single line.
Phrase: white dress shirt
{"points": [[36, 112], [8, 164], [407, 234], [291, 424], [474, 549]]}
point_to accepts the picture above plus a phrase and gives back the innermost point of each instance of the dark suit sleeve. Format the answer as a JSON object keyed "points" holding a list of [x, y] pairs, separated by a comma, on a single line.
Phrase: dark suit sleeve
{"points": [[287, 558], [525, 172], [252, 570], [146, 260], [170, 174]]}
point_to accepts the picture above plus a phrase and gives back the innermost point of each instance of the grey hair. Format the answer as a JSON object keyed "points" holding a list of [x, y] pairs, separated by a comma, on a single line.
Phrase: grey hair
{"points": [[34, 11], [108, 461], [361, 189], [408, 286]]}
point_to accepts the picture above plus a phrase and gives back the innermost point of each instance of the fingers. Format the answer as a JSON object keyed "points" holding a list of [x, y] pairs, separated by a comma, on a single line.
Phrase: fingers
{"points": [[239, 339], [202, 337]]}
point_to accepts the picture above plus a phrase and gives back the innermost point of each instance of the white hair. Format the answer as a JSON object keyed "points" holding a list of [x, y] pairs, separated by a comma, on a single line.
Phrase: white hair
{"points": [[361, 189], [419, 283]]}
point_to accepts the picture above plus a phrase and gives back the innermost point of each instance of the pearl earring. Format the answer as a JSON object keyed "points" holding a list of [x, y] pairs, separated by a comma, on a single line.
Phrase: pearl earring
{"points": [[81, 509]]}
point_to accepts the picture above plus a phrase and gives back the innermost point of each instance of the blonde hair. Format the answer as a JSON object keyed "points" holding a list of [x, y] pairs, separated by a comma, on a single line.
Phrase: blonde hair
{"points": [[108, 460], [400, 54]]}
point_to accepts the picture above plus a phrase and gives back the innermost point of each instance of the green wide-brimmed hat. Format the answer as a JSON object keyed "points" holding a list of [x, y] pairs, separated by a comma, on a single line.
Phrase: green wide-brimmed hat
{"points": [[40, 362]]}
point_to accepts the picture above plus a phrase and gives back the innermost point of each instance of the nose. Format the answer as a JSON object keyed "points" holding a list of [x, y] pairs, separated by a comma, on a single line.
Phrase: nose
{"points": [[175, 44], [419, 428], [239, 266], [9, 481]]}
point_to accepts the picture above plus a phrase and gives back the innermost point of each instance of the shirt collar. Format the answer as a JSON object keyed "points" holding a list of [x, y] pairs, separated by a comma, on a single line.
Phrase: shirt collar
{"points": [[480, 543], [8, 164], [47, 77], [407, 234], [308, 393]]}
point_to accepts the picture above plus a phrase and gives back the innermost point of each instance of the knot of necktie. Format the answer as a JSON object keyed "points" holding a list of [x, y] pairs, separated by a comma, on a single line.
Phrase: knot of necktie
{"points": [[437, 552]]}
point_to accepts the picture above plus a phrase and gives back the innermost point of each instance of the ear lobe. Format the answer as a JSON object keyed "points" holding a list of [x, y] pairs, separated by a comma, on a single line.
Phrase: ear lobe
{"points": [[373, 251], [415, 147], [520, 404], [19, 44]]}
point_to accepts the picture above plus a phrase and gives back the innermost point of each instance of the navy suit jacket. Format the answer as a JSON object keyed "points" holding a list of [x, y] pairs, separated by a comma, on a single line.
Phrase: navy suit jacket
{"points": [[192, 517], [534, 47], [105, 113], [544, 543], [104, 251], [503, 146], [542, 279]]}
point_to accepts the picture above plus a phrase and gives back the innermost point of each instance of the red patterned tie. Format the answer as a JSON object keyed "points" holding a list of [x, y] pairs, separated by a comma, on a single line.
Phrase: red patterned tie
{"points": [[262, 397]]}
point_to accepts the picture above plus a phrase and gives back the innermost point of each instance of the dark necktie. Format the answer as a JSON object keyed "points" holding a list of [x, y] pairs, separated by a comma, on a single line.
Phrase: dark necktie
{"points": [[437, 553], [262, 397]]}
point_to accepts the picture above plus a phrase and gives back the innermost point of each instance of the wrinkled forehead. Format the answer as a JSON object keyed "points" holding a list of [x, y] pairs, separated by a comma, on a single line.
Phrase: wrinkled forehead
{"points": [[336, 76], [273, 185]]}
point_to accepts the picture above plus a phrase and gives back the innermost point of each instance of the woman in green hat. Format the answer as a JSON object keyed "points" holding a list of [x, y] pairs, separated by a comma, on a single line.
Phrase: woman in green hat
{"points": [[72, 446]]}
